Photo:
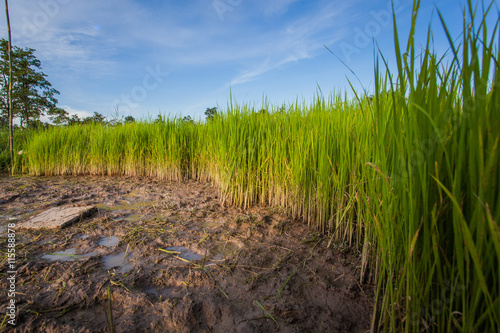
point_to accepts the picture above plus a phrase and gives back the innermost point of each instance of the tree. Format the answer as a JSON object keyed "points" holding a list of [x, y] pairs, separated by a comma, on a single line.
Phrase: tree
{"points": [[59, 116], [188, 119], [9, 89], [96, 118], [74, 120], [32, 95], [159, 119], [211, 113], [129, 119]]}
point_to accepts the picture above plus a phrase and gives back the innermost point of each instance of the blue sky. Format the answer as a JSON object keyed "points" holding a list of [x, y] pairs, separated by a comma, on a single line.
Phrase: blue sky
{"points": [[180, 57]]}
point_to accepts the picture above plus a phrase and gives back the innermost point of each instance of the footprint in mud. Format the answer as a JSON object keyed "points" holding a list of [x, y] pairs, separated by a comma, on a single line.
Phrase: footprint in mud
{"points": [[161, 293], [66, 255], [222, 250]]}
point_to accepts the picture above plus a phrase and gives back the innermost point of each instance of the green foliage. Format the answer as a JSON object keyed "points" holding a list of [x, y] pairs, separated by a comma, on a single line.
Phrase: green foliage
{"points": [[159, 119], [58, 116], [211, 113], [96, 118], [32, 95], [129, 119], [21, 138], [74, 120], [4, 150], [150, 149]]}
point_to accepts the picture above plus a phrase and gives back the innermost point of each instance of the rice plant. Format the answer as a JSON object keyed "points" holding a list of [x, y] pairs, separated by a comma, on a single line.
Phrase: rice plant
{"points": [[409, 177]]}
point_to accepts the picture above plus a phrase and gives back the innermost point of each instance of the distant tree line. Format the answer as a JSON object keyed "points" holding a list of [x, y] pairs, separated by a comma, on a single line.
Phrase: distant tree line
{"points": [[33, 95], [96, 118]]}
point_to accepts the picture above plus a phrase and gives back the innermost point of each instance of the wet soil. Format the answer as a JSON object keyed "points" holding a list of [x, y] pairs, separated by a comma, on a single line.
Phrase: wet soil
{"points": [[168, 257]]}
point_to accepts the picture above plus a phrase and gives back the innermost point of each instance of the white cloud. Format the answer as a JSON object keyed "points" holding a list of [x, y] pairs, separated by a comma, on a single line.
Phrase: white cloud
{"points": [[80, 113]]}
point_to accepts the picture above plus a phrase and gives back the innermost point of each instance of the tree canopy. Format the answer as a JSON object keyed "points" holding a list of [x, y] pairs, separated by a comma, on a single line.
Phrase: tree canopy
{"points": [[32, 94], [211, 113]]}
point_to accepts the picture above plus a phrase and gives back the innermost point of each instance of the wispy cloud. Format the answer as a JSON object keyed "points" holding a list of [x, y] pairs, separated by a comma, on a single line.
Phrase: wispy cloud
{"points": [[63, 35], [300, 39], [94, 37], [277, 7]]}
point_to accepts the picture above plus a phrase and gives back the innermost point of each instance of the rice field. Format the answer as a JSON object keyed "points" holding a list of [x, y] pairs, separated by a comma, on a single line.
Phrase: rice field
{"points": [[409, 176]]}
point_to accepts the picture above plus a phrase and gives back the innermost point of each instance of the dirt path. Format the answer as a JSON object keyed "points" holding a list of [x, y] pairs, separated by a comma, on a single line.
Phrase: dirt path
{"points": [[225, 269]]}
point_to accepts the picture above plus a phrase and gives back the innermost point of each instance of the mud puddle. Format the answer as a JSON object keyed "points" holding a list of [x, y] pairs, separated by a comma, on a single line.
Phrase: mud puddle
{"points": [[184, 253], [120, 260], [109, 241], [66, 255], [226, 269]]}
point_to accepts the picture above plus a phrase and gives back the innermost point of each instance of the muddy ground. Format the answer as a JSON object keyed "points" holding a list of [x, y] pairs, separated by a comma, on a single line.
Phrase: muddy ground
{"points": [[174, 260]]}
